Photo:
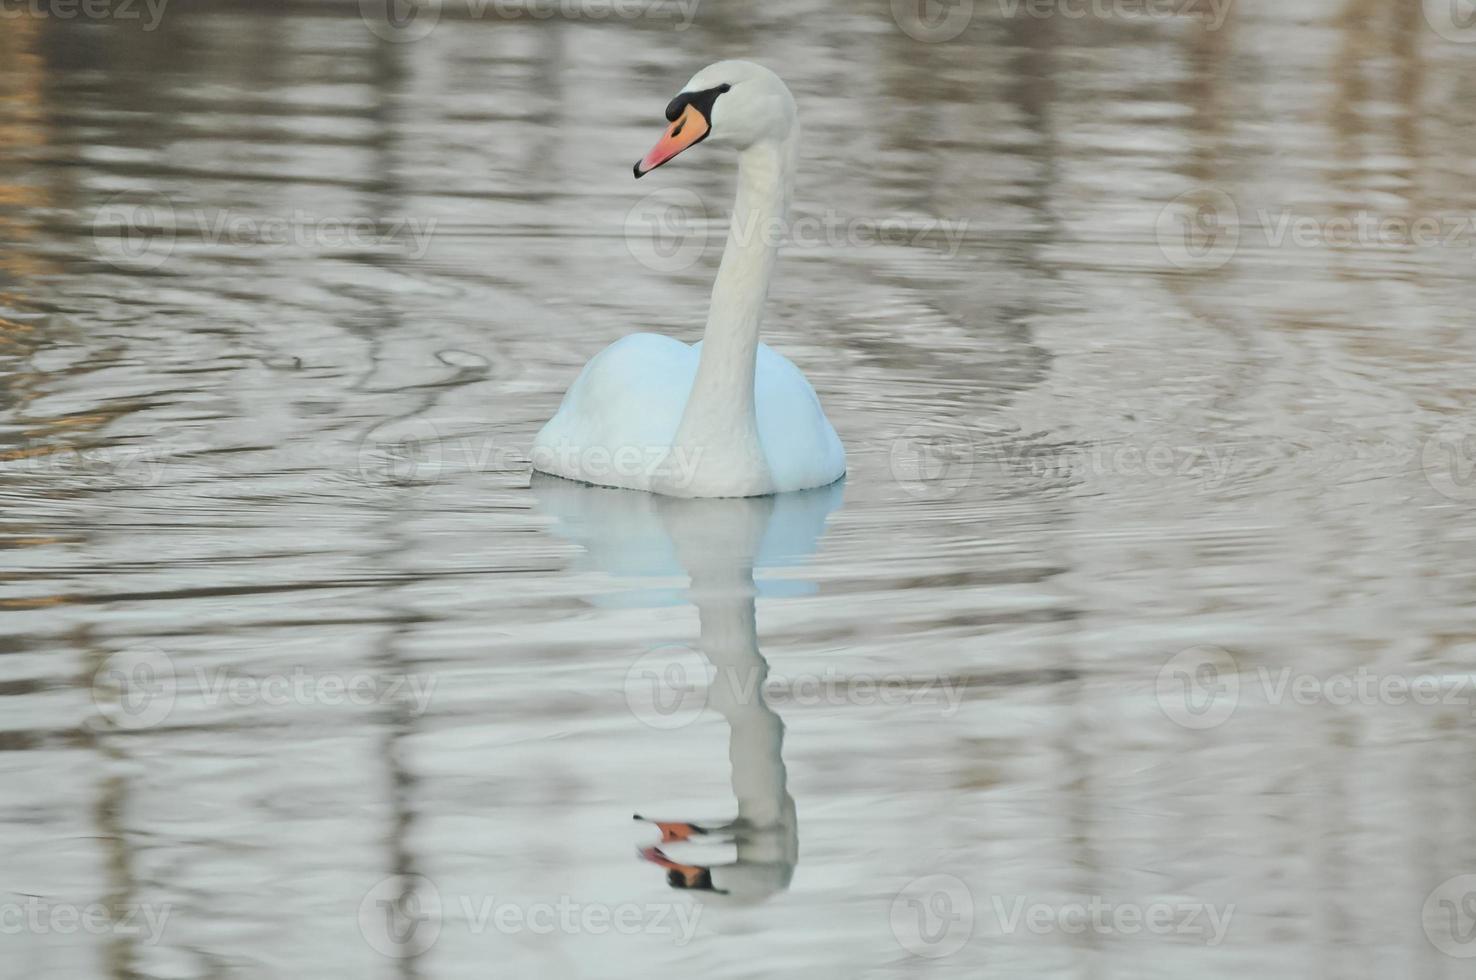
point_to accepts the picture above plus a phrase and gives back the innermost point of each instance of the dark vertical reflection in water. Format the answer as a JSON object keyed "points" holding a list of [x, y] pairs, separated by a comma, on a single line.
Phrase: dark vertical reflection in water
{"points": [[385, 195]]}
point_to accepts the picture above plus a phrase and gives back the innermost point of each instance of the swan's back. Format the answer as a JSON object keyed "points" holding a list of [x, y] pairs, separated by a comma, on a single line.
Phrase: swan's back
{"points": [[623, 411], [799, 442]]}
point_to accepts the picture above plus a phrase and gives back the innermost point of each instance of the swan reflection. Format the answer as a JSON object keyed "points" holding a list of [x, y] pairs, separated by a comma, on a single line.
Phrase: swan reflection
{"points": [[718, 544]]}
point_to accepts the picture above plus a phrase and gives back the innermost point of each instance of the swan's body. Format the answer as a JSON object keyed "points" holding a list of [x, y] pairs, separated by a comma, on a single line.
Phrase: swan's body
{"points": [[728, 417], [619, 423]]}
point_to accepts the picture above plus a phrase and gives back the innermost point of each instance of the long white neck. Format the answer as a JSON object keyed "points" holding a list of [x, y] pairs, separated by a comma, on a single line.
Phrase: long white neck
{"points": [[719, 422]]}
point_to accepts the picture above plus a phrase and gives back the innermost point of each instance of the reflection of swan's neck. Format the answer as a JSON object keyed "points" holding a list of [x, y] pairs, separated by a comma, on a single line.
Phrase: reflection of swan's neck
{"points": [[721, 403], [718, 543], [756, 739]]}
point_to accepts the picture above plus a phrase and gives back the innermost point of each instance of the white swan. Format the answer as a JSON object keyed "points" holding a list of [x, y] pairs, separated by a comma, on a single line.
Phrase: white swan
{"points": [[727, 417]]}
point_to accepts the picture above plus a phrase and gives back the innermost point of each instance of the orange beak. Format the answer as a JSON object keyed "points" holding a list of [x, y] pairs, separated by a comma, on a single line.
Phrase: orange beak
{"points": [[689, 129]]}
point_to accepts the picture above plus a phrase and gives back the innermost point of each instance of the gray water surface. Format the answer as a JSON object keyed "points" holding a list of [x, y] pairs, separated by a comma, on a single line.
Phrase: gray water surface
{"points": [[1149, 338]]}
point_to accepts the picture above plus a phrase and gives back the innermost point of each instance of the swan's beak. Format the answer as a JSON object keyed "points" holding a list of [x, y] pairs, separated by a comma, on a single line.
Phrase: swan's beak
{"points": [[690, 128]]}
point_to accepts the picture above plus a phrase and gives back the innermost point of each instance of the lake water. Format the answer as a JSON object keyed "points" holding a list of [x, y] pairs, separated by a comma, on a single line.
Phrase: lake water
{"points": [[1139, 641]]}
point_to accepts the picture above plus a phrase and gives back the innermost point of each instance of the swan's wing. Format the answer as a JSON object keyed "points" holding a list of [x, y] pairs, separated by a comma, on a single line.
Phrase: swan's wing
{"points": [[621, 413], [799, 441]]}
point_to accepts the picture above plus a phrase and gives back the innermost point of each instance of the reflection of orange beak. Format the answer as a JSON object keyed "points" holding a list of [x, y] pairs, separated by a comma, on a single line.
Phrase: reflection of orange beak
{"points": [[689, 872], [673, 832], [690, 129]]}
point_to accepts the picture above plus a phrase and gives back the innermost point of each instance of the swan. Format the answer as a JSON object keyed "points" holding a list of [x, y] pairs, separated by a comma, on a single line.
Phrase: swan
{"points": [[729, 416], [719, 545]]}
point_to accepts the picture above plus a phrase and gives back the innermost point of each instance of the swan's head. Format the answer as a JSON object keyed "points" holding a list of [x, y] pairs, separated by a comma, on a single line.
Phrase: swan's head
{"points": [[734, 102]]}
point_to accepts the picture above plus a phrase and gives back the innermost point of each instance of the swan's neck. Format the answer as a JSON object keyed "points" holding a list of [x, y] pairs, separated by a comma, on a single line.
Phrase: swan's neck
{"points": [[719, 419]]}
